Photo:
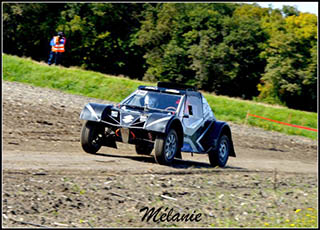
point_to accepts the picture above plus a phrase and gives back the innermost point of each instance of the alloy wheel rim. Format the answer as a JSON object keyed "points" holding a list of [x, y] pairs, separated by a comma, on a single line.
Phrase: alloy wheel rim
{"points": [[170, 147], [223, 150]]}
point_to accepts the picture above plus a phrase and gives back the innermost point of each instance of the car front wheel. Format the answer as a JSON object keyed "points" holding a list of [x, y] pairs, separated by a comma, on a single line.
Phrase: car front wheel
{"points": [[91, 137], [166, 147], [220, 155]]}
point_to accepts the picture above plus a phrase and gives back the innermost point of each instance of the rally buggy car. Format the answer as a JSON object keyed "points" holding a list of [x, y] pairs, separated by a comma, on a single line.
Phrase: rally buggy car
{"points": [[169, 118]]}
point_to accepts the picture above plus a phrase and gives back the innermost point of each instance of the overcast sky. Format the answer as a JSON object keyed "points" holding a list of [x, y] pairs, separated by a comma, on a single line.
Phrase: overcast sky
{"points": [[309, 7]]}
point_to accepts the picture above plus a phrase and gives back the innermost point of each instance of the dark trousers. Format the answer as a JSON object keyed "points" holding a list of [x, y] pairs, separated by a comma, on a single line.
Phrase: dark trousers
{"points": [[55, 57]]}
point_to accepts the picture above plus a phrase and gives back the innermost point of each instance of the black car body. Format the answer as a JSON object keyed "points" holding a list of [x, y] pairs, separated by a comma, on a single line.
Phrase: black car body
{"points": [[168, 118]]}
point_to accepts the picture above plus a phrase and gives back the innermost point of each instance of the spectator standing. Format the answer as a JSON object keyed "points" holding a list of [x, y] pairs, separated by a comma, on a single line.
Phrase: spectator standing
{"points": [[57, 44]]}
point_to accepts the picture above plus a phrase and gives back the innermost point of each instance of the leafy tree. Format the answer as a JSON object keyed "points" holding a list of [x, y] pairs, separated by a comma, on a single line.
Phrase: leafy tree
{"points": [[227, 56], [170, 33], [160, 35], [232, 49], [28, 28], [290, 76], [290, 11], [102, 37]]}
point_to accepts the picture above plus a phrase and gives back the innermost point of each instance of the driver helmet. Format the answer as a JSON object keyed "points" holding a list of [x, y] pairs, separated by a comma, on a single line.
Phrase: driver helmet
{"points": [[151, 101]]}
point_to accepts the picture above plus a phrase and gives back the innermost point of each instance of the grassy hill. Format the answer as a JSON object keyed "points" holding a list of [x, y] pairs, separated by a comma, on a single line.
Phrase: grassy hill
{"points": [[94, 84]]}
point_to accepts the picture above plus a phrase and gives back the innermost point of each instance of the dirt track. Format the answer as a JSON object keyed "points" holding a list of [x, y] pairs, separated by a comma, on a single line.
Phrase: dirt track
{"points": [[41, 130]]}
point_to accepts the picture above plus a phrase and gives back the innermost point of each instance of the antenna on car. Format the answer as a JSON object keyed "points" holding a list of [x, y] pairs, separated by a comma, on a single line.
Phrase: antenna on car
{"points": [[177, 86]]}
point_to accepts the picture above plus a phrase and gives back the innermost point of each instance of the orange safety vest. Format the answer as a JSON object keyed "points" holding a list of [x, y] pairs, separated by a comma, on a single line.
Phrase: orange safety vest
{"points": [[58, 44]]}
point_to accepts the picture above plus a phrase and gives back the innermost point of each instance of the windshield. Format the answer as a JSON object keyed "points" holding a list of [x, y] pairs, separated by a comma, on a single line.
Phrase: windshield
{"points": [[154, 100]]}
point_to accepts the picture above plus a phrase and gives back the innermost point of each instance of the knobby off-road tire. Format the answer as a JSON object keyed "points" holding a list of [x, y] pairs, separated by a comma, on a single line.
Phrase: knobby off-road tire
{"points": [[91, 137], [220, 155], [166, 148], [144, 149]]}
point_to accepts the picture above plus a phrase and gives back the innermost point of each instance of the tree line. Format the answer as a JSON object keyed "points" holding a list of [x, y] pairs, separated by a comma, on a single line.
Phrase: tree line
{"points": [[233, 49]]}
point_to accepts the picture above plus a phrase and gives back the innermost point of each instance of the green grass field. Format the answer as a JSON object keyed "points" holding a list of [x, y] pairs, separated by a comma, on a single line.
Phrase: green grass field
{"points": [[97, 85]]}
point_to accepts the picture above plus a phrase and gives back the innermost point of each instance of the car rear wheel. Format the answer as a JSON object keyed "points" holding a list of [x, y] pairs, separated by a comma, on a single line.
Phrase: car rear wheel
{"points": [[144, 149], [166, 148], [91, 137], [220, 155]]}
